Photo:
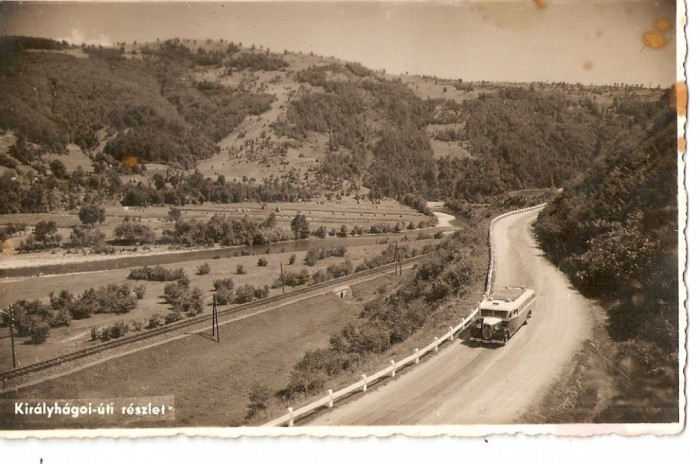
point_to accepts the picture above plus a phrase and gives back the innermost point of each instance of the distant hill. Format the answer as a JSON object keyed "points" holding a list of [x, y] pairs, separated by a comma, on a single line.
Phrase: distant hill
{"points": [[295, 126]]}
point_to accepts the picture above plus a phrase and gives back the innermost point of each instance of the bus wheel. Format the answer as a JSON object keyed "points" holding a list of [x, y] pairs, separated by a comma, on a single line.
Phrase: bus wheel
{"points": [[506, 337]]}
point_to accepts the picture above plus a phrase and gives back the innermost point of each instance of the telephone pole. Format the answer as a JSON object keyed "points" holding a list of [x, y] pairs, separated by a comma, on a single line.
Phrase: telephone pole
{"points": [[282, 277], [215, 320], [11, 315], [397, 259]]}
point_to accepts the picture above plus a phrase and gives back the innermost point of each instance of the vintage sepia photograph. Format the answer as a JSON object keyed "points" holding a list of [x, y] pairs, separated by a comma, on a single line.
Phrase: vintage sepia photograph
{"points": [[342, 218]]}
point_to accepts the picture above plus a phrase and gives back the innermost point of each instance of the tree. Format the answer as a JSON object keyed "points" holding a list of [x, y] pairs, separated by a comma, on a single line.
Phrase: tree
{"points": [[159, 181], [174, 214], [129, 233], [44, 230], [58, 169], [90, 214], [300, 227]]}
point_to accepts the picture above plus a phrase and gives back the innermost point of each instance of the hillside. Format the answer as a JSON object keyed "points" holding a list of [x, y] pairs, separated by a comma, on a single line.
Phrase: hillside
{"points": [[615, 233], [283, 127]]}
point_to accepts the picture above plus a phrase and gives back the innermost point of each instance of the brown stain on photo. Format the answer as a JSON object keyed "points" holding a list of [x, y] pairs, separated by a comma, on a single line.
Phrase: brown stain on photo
{"points": [[131, 161], [681, 144], [523, 17], [680, 92], [588, 65], [653, 39], [656, 38], [8, 246], [662, 24]]}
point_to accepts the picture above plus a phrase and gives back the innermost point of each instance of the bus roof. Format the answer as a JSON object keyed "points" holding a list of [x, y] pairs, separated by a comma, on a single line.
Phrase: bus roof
{"points": [[505, 297]]}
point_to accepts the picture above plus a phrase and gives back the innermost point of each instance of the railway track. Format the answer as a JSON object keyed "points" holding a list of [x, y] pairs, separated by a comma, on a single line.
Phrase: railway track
{"points": [[178, 326]]}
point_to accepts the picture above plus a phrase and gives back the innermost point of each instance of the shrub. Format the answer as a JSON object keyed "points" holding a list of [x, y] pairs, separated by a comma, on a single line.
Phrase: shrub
{"points": [[156, 320], [240, 269], [82, 308], [173, 316], [84, 237], [292, 279], [192, 303], [339, 270], [262, 262], [361, 267], [224, 291], [203, 269], [135, 325], [262, 292], [140, 291], [258, 397], [175, 291], [128, 233], [94, 333], [292, 259], [118, 329], [245, 294], [369, 337], [305, 382], [111, 298], [311, 257], [114, 298], [320, 276], [156, 273]]}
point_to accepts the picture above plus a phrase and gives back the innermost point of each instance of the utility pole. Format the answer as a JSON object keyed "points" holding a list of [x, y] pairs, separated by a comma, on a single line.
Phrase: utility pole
{"points": [[397, 259], [215, 320], [11, 315], [282, 277]]}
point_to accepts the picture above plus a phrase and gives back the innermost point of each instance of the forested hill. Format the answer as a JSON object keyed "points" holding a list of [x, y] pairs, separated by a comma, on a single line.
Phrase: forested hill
{"points": [[187, 121], [615, 233], [147, 105]]}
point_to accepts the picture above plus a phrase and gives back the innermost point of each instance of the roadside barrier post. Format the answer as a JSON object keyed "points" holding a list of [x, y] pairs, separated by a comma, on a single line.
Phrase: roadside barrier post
{"points": [[415, 351], [290, 423], [393, 369], [435, 340], [330, 398], [364, 380], [452, 333]]}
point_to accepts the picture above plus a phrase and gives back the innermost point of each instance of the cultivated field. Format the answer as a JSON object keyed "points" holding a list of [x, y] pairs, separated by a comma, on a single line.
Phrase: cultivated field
{"points": [[331, 214]]}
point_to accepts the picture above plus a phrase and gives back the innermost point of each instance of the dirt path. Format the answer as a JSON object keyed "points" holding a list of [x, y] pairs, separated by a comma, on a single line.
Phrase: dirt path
{"points": [[484, 385]]}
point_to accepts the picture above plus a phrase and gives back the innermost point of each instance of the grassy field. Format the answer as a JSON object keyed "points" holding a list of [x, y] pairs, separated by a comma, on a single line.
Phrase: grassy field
{"points": [[211, 381], [63, 340]]}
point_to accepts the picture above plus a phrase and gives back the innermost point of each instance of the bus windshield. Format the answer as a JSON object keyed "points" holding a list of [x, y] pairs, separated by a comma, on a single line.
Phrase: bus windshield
{"points": [[494, 313]]}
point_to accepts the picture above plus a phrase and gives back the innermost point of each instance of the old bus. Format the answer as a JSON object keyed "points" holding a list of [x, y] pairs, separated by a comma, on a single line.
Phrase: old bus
{"points": [[502, 313]]}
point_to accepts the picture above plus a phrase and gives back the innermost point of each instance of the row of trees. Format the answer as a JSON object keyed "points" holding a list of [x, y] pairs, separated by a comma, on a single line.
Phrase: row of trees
{"points": [[226, 231], [35, 319]]}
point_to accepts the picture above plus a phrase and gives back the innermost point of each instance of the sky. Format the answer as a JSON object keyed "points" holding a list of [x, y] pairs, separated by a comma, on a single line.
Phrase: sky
{"points": [[587, 41]]}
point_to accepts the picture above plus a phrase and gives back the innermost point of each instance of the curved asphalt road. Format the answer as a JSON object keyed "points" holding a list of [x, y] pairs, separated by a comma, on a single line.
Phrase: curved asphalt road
{"points": [[488, 385]]}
